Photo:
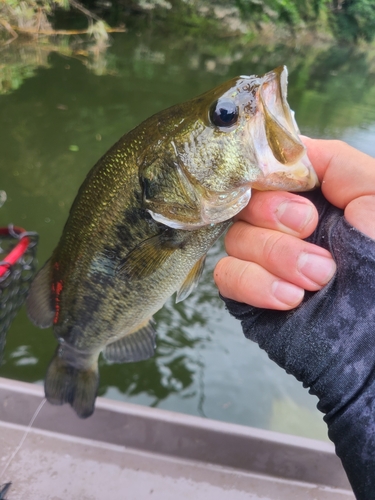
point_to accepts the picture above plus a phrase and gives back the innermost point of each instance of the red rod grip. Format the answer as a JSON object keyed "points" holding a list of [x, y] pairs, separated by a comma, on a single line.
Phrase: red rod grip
{"points": [[16, 253]]}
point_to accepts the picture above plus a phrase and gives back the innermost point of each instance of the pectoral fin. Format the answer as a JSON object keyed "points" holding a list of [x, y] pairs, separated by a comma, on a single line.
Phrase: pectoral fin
{"points": [[150, 255], [191, 280], [136, 346]]}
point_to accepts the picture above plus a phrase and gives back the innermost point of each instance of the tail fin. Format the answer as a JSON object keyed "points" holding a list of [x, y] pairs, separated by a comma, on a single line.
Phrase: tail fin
{"points": [[65, 383]]}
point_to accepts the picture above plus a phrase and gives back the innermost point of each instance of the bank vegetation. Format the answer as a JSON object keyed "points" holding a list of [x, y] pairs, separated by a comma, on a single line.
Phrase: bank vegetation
{"points": [[351, 21]]}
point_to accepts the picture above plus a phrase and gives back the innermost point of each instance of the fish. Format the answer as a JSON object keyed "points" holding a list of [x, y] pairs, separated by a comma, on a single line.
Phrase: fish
{"points": [[146, 216]]}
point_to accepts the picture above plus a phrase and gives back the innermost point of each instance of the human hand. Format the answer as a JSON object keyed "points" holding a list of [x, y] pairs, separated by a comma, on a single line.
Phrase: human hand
{"points": [[268, 264], [328, 341]]}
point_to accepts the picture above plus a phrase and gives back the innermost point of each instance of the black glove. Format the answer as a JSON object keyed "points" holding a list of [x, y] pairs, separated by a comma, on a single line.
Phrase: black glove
{"points": [[328, 343]]}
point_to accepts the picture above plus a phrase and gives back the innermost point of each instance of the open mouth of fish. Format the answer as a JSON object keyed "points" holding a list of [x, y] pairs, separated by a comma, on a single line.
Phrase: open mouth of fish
{"points": [[281, 157]]}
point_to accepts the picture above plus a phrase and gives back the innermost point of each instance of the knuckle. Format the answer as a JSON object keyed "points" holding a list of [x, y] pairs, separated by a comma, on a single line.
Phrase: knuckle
{"points": [[236, 234], [273, 247], [339, 148], [244, 277], [338, 143], [263, 207]]}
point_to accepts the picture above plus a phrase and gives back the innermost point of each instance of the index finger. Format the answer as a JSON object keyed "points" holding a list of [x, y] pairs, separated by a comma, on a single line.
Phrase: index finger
{"points": [[344, 172]]}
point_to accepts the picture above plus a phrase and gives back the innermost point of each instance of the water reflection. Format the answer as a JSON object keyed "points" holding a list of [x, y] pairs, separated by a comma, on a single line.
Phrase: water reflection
{"points": [[21, 58], [64, 117]]}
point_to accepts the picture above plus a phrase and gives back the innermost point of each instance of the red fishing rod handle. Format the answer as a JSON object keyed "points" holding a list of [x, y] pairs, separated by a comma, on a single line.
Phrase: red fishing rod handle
{"points": [[19, 250]]}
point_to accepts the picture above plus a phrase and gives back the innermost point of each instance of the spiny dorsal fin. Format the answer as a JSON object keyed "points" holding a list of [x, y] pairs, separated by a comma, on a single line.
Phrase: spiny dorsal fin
{"points": [[39, 301], [135, 346], [150, 255], [191, 280]]}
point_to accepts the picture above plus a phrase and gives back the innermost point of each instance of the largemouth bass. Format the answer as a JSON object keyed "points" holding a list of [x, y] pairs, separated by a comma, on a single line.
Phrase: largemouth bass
{"points": [[145, 217]]}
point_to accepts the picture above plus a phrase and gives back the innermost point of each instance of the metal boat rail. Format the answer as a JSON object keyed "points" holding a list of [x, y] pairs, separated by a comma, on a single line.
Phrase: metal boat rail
{"points": [[126, 451]]}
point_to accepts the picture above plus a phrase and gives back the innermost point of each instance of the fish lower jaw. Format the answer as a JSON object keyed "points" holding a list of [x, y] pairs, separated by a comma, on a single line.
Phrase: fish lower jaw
{"points": [[214, 210], [225, 206]]}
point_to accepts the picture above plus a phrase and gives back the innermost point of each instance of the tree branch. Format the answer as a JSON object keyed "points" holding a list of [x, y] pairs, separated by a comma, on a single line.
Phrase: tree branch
{"points": [[83, 9]]}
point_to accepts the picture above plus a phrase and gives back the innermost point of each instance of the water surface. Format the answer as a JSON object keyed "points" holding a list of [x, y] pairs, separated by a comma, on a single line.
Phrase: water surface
{"points": [[62, 116]]}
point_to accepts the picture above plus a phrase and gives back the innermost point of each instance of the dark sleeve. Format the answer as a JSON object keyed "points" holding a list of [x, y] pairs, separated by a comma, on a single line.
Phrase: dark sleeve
{"points": [[328, 343]]}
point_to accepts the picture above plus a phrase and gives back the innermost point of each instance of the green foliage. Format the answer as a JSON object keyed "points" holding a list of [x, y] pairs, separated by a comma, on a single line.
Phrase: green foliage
{"points": [[348, 19], [152, 4], [37, 4], [27, 14], [355, 19], [291, 12]]}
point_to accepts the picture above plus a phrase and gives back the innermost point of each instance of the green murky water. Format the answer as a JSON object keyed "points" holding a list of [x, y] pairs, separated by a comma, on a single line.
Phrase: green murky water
{"points": [[64, 115]]}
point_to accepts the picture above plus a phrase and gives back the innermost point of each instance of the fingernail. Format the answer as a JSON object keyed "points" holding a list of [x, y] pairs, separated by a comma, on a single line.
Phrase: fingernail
{"points": [[287, 293], [317, 268], [295, 215]]}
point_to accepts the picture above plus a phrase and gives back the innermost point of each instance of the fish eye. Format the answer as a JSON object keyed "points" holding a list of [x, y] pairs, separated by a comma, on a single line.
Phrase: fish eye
{"points": [[223, 113]]}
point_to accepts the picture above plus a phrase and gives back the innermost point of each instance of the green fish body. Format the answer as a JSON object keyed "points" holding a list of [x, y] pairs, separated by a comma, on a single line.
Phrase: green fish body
{"points": [[145, 217]]}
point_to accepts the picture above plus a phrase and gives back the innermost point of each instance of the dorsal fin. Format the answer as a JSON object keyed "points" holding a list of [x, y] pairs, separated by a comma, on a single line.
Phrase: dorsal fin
{"points": [[39, 301], [191, 280], [135, 346]]}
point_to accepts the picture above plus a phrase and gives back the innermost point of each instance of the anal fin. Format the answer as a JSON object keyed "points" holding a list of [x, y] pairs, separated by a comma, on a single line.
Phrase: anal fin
{"points": [[191, 280], [135, 346]]}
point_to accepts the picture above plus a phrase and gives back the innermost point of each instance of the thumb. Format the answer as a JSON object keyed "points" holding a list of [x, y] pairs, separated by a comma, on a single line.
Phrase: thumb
{"points": [[360, 213]]}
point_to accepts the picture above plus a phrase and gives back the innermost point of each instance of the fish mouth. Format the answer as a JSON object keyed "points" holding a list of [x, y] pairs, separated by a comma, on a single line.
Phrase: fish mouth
{"points": [[281, 155]]}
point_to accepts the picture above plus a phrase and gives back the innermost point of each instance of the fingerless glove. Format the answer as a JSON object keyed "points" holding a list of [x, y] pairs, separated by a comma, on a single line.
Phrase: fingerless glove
{"points": [[328, 343]]}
